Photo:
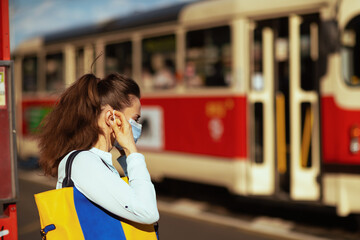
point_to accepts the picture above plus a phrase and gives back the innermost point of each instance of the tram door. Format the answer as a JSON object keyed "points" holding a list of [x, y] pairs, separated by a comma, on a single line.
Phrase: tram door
{"points": [[284, 108]]}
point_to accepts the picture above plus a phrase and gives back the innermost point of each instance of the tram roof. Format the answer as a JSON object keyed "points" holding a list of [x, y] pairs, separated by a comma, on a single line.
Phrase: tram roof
{"points": [[166, 14], [188, 13]]}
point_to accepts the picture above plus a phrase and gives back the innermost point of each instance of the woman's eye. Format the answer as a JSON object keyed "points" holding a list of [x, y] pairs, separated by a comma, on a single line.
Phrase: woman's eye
{"points": [[136, 119]]}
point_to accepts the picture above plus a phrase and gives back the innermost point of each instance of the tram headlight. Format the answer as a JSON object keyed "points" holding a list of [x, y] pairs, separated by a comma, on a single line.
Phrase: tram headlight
{"points": [[354, 139]]}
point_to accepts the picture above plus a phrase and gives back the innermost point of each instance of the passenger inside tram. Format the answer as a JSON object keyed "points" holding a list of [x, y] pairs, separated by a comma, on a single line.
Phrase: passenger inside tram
{"points": [[164, 73], [191, 77]]}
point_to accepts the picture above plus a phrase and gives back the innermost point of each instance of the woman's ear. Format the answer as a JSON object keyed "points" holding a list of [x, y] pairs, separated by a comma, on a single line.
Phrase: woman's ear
{"points": [[109, 117]]}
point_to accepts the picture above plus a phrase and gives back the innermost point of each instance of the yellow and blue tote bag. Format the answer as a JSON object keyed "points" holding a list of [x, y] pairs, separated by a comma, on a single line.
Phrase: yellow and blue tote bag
{"points": [[67, 214]]}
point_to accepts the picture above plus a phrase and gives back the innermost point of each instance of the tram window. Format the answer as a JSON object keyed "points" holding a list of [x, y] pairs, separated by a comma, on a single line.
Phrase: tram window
{"points": [[309, 49], [306, 135], [257, 79], [79, 62], [158, 62], [350, 52], [29, 74], [119, 58], [55, 72], [208, 57], [259, 132]]}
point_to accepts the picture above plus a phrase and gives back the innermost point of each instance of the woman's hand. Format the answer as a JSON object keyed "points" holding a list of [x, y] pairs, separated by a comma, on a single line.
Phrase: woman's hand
{"points": [[123, 133]]}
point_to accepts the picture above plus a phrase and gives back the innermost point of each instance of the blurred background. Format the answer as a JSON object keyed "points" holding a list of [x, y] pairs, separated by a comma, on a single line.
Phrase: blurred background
{"points": [[250, 110]]}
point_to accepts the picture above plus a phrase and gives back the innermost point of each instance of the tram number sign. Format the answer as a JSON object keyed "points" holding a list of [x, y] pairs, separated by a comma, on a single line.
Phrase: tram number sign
{"points": [[2, 87]]}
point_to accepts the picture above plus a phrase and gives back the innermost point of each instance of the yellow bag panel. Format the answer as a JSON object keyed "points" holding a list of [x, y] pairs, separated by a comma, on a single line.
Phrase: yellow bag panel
{"points": [[135, 230], [62, 211], [57, 207], [126, 179]]}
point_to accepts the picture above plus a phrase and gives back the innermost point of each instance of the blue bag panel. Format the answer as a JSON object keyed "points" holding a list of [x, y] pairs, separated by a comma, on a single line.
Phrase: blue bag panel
{"points": [[96, 223]]}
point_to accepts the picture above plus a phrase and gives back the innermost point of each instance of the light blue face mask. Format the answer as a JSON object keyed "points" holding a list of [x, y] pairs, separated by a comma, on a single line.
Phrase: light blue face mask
{"points": [[136, 130]]}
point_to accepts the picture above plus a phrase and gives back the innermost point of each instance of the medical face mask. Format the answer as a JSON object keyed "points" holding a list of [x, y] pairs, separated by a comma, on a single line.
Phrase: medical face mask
{"points": [[136, 129]]}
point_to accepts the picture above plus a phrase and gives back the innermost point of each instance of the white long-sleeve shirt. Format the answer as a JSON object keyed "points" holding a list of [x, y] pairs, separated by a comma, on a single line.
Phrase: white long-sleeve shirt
{"points": [[135, 201]]}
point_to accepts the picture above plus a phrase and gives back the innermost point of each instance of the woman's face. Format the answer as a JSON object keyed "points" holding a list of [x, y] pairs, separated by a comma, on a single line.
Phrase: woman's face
{"points": [[134, 111]]}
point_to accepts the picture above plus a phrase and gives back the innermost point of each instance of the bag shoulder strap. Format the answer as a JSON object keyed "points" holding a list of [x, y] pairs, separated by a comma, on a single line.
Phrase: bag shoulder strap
{"points": [[67, 182]]}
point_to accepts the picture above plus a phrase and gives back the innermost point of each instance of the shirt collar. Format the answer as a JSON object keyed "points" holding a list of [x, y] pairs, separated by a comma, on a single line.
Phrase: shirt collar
{"points": [[106, 156]]}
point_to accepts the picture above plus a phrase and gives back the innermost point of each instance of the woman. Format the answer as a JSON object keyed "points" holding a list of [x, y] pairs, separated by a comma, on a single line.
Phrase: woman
{"points": [[93, 114]]}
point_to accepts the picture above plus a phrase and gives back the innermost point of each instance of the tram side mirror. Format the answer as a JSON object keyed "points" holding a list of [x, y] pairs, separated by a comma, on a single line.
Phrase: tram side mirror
{"points": [[330, 43], [329, 37]]}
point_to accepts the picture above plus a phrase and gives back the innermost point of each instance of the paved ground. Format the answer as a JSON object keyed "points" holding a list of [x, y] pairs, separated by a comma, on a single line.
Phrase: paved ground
{"points": [[172, 225], [182, 218]]}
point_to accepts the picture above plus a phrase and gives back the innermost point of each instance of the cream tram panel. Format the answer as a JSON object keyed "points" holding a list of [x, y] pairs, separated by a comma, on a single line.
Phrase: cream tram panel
{"points": [[347, 97], [303, 180], [207, 11], [262, 175]]}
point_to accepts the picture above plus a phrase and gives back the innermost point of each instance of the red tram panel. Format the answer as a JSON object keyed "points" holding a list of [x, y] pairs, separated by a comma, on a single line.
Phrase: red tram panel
{"points": [[213, 125], [336, 124], [34, 110]]}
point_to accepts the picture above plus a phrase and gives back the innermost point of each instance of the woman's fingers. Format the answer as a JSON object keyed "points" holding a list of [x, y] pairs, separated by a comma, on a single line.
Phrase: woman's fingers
{"points": [[119, 118], [115, 126], [122, 118], [122, 123], [123, 133]]}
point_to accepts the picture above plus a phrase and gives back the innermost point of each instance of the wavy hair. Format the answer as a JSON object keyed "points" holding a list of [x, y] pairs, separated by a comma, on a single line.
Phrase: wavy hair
{"points": [[73, 122]]}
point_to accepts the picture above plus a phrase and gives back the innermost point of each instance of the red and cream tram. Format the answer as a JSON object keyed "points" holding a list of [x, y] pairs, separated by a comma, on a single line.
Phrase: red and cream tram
{"points": [[261, 97]]}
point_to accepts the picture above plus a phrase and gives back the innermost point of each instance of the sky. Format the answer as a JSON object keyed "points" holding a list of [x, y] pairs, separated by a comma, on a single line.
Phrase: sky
{"points": [[31, 18]]}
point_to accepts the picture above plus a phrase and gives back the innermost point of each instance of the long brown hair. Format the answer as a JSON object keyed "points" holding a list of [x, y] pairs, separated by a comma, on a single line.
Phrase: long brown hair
{"points": [[73, 122]]}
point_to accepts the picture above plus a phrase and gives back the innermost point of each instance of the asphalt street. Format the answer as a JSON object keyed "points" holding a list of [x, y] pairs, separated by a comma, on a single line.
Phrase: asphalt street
{"points": [[182, 218], [172, 226]]}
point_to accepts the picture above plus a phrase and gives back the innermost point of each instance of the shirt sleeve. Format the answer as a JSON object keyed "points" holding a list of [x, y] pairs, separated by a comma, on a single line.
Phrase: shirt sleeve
{"points": [[135, 201]]}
